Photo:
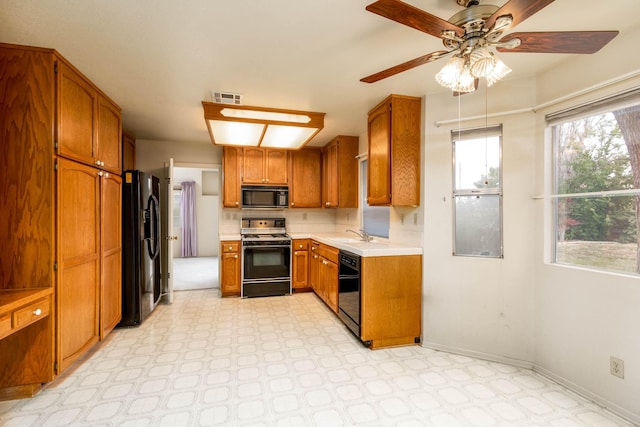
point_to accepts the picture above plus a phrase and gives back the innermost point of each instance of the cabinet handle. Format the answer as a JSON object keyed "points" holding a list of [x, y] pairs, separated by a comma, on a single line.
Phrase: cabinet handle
{"points": [[230, 247], [315, 257], [106, 174], [100, 173], [324, 262], [299, 246], [235, 256], [327, 204], [292, 204], [97, 162], [237, 203], [37, 312]]}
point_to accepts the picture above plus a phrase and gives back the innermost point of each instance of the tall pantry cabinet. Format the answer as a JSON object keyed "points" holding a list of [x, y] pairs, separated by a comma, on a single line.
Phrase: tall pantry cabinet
{"points": [[60, 210]]}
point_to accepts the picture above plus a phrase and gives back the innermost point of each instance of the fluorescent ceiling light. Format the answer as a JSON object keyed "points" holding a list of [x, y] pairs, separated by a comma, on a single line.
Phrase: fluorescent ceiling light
{"points": [[259, 126]]}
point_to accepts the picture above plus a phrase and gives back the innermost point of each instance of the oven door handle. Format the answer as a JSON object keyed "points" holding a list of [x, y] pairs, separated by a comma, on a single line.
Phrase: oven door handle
{"points": [[245, 247]]}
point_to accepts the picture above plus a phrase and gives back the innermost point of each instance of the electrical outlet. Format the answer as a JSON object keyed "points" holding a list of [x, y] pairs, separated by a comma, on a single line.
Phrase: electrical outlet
{"points": [[617, 367], [415, 219], [304, 216]]}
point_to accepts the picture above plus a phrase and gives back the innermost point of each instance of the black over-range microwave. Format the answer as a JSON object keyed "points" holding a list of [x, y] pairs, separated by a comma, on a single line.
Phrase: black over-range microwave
{"points": [[265, 197]]}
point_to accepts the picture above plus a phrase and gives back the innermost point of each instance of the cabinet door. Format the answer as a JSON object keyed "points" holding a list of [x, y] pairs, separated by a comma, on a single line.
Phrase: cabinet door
{"points": [[78, 231], [276, 167], [300, 269], [128, 152], [378, 167], [330, 177], [77, 100], [109, 136], [314, 270], [331, 284], [111, 242], [230, 267], [230, 277], [253, 166], [305, 186], [231, 157]]}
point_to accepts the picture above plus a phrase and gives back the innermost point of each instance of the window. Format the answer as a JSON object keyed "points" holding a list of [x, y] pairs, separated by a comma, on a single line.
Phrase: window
{"points": [[375, 219], [597, 183], [477, 192]]}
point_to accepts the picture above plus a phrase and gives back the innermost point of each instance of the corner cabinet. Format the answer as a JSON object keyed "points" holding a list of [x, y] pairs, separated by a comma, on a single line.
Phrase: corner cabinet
{"points": [[60, 267], [394, 152], [340, 173], [305, 190]]}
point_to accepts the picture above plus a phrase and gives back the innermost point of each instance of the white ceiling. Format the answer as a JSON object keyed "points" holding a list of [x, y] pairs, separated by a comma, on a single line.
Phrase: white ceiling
{"points": [[158, 59]]}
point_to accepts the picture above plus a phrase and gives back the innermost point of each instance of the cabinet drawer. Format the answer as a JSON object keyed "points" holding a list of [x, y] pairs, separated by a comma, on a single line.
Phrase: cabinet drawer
{"points": [[5, 325], [31, 313], [230, 247], [328, 252], [300, 245]]}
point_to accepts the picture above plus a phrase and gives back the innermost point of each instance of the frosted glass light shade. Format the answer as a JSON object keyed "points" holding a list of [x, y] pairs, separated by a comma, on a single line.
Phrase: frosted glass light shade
{"points": [[451, 72], [499, 71], [482, 62], [236, 133], [286, 136]]}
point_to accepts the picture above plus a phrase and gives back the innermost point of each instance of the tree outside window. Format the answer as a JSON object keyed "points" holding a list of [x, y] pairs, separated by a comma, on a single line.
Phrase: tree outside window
{"points": [[597, 178]]}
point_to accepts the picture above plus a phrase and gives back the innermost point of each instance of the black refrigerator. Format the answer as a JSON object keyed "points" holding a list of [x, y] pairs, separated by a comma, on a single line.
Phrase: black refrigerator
{"points": [[140, 246]]}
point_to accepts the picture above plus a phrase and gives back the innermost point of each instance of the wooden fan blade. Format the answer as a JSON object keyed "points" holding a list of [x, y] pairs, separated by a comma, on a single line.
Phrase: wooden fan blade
{"points": [[413, 17], [404, 66], [560, 41], [518, 9]]}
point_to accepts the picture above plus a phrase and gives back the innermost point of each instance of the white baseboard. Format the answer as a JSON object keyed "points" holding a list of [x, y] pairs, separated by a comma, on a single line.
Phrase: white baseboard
{"points": [[479, 355], [599, 400]]}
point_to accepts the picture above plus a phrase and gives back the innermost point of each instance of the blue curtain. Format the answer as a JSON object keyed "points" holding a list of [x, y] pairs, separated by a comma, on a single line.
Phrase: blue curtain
{"points": [[189, 244]]}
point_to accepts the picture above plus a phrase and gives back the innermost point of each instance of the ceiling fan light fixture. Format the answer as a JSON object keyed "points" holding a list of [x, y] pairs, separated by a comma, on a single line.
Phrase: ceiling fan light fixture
{"points": [[482, 62], [465, 83], [451, 72], [499, 71]]}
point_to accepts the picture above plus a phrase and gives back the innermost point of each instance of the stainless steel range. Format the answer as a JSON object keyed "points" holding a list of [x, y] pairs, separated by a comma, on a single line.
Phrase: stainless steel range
{"points": [[266, 257]]}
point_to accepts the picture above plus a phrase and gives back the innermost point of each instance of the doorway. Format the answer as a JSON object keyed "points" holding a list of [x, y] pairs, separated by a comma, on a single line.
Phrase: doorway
{"points": [[195, 266]]}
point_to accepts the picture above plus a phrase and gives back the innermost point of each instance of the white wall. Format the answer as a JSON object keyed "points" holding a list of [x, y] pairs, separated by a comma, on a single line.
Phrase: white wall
{"points": [[584, 317], [206, 213], [481, 306], [563, 321]]}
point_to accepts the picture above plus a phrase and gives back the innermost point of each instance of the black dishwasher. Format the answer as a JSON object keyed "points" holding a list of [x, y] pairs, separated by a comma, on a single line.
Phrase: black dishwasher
{"points": [[349, 291]]}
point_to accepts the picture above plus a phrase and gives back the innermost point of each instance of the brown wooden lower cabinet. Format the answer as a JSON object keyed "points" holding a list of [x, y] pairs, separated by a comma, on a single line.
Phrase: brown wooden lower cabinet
{"points": [[323, 271], [230, 268], [391, 300], [300, 264], [390, 294], [26, 341]]}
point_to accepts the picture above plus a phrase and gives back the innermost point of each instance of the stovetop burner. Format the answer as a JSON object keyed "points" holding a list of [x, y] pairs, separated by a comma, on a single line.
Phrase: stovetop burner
{"points": [[263, 229]]}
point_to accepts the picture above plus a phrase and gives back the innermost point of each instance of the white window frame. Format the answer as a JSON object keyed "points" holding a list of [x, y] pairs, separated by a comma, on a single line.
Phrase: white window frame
{"points": [[457, 193]]}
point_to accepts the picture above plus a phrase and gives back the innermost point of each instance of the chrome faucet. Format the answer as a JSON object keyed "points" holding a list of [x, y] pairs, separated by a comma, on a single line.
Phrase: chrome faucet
{"points": [[364, 236]]}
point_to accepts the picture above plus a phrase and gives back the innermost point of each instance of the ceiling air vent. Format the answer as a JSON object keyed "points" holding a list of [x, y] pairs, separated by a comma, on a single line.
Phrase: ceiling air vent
{"points": [[226, 98]]}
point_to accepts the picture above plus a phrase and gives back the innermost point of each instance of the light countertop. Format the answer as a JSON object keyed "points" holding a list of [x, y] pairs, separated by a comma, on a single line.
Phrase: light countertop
{"points": [[351, 243]]}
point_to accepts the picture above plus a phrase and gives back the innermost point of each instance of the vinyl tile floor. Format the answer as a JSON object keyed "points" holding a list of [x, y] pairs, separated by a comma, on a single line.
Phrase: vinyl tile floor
{"points": [[286, 361]]}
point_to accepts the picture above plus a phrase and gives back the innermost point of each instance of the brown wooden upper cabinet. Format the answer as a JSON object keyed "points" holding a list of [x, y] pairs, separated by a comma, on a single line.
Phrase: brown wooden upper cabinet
{"points": [[89, 124], [231, 171], [128, 152], [340, 173], [265, 166], [393, 171], [305, 189]]}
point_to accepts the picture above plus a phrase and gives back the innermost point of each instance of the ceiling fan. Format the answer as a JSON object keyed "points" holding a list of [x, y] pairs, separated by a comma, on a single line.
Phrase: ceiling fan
{"points": [[471, 35]]}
